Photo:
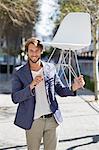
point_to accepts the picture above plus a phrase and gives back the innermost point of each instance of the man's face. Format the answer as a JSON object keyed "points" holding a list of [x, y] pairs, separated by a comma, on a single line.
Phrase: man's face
{"points": [[34, 53]]}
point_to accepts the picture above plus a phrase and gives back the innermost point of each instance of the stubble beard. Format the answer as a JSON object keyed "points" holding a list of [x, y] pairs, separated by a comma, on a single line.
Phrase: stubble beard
{"points": [[34, 62]]}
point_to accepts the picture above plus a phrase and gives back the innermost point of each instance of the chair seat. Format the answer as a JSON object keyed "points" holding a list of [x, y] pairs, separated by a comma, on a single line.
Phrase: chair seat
{"points": [[73, 33], [66, 46]]}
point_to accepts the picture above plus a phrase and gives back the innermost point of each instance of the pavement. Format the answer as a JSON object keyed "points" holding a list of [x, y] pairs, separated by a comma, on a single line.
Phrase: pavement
{"points": [[79, 130], [5, 83]]}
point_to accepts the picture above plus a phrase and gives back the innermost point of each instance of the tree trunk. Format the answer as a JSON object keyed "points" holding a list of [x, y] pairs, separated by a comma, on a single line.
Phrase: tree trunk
{"points": [[95, 63], [8, 66]]}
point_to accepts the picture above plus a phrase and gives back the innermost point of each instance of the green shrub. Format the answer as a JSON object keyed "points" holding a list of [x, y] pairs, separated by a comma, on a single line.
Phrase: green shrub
{"points": [[89, 83]]}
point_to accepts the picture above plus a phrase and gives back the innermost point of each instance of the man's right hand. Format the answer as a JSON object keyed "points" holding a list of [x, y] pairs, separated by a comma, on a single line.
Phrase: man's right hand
{"points": [[36, 81]]}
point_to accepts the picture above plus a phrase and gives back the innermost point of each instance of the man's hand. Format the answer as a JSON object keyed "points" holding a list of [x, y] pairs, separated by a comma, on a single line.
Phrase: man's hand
{"points": [[78, 83], [36, 81]]}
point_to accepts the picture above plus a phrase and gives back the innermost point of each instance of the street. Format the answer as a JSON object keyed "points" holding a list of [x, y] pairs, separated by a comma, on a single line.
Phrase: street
{"points": [[79, 130]]}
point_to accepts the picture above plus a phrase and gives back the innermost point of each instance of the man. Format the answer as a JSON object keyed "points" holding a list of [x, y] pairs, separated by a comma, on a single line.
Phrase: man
{"points": [[33, 87]]}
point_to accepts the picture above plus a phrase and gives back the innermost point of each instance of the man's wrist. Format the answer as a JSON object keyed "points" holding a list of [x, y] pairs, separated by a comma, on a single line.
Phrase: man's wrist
{"points": [[32, 86], [73, 88], [32, 89]]}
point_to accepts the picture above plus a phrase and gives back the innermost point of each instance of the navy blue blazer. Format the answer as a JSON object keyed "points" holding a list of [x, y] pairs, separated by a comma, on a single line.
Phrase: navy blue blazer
{"points": [[22, 94]]}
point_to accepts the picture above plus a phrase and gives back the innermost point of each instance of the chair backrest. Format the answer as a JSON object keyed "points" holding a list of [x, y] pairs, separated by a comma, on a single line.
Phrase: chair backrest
{"points": [[74, 32]]}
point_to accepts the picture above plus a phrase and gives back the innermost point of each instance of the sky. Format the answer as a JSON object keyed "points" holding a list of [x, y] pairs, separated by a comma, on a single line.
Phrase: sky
{"points": [[48, 14]]}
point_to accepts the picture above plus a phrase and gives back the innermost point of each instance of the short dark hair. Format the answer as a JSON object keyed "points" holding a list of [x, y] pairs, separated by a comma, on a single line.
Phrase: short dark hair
{"points": [[34, 41]]}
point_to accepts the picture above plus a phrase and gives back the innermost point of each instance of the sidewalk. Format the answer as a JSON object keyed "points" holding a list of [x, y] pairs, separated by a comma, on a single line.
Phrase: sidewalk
{"points": [[5, 84], [79, 130]]}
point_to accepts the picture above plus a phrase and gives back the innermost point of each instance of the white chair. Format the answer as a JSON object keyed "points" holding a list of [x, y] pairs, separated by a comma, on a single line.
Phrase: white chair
{"points": [[73, 34]]}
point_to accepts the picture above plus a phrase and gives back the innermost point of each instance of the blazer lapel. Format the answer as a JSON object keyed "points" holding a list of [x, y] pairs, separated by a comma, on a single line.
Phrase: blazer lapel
{"points": [[46, 71], [27, 73]]}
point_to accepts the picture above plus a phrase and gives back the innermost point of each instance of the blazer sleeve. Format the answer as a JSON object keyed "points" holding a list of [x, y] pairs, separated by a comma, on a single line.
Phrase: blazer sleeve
{"points": [[19, 94], [60, 89]]}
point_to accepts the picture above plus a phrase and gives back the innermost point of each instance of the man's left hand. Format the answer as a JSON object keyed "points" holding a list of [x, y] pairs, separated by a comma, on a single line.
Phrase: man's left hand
{"points": [[78, 83]]}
